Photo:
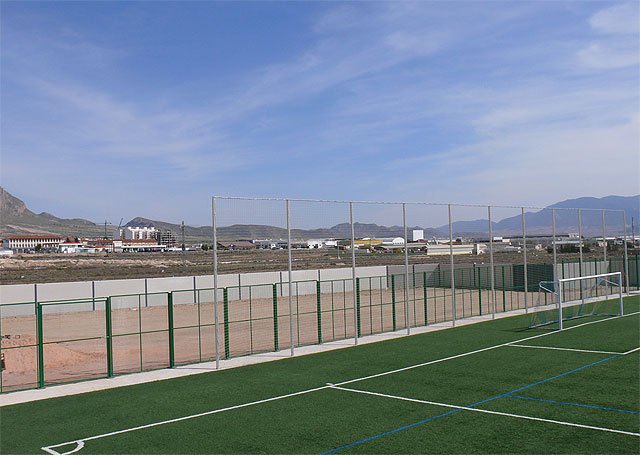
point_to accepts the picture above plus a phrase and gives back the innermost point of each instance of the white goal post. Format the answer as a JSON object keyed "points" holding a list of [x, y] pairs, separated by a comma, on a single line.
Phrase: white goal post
{"points": [[612, 279], [577, 297]]}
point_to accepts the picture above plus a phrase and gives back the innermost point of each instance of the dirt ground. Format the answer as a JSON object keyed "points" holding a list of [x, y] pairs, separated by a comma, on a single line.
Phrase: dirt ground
{"points": [[49, 268], [76, 347]]}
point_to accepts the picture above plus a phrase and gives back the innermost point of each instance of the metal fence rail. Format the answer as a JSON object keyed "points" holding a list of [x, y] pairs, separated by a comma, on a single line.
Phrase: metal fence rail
{"points": [[71, 340]]}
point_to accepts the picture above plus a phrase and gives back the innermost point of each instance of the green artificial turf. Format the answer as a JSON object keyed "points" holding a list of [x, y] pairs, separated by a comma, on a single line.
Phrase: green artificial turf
{"points": [[327, 419]]}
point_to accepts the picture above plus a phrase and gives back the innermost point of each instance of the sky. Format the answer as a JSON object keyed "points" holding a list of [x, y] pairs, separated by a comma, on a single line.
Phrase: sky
{"points": [[114, 110]]}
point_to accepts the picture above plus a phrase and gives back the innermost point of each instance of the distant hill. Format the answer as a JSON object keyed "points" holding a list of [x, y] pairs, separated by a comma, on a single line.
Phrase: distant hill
{"points": [[539, 222], [258, 231], [16, 218]]}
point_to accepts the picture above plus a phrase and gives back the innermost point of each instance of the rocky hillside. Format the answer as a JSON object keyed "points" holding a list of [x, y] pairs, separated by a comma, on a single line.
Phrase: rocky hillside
{"points": [[17, 219]]}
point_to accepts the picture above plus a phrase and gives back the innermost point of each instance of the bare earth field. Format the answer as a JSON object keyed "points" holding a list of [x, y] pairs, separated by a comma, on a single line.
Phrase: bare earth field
{"points": [[75, 344], [49, 268]]}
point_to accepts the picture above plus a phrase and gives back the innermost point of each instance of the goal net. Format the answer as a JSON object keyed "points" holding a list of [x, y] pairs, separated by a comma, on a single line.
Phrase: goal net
{"points": [[571, 298]]}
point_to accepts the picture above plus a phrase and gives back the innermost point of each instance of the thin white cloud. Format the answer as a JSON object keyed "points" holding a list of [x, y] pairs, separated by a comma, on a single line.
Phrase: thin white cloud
{"points": [[623, 18], [389, 101], [609, 56], [618, 27]]}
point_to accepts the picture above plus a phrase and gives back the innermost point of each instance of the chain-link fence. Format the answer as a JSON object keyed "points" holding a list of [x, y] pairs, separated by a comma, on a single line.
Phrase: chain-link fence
{"points": [[53, 342]]}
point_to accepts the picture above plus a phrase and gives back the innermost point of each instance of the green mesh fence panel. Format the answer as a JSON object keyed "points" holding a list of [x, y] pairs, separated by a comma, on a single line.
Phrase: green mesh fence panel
{"points": [[74, 342], [18, 332], [74, 333]]}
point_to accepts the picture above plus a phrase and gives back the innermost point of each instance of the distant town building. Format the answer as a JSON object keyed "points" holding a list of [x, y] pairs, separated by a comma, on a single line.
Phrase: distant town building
{"points": [[70, 247], [315, 243], [237, 245], [30, 242], [140, 233], [166, 237], [137, 245], [418, 234]]}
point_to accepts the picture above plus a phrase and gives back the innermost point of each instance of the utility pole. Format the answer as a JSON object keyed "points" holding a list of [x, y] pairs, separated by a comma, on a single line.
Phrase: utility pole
{"points": [[105, 223], [183, 262]]}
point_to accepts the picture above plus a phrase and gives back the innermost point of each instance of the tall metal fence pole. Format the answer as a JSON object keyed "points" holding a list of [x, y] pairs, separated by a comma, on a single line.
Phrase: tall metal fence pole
{"points": [[406, 269], [291, 331], [604, 244], [524, 255], [581, 264], [493, 286], [453, 277], [626, 258], [553, 240], [353, 273], [604, 252], [215, 277]]}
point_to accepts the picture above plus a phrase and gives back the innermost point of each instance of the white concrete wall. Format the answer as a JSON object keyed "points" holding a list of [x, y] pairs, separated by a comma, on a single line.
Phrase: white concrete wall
{"points": [[147, 290]]}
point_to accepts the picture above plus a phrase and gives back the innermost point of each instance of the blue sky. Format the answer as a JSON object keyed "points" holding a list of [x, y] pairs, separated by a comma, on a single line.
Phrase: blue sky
{"points": [[121, 109]]}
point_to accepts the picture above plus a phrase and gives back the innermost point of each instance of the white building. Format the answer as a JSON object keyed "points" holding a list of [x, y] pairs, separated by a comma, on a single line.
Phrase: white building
{"points": [[137, 245], [417, 234], [315, 243], [29, 242], [140, 233], [445, 249], [70, 247]]}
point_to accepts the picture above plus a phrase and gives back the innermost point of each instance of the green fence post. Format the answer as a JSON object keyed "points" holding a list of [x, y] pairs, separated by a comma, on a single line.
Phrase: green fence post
{"points": [[172, 356], [393, 300], [318, 312], [479, 292], [275, 317], [504, 293], [109, 333], [424, 289], [40, 346], [637, 273], [358, 305], [225, 296]]}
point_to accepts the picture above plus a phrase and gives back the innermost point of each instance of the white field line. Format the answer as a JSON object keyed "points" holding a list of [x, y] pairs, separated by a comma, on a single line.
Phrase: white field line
{"points": [[477, 351], [485, 411], [49, 449], [563, 349], [81, 442], [632, 350]]}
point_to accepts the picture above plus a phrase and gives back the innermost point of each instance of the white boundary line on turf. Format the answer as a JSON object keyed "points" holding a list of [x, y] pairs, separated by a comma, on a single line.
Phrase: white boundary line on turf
{"points": [[485, 411], [480, 350], [80, 442], [563, 349]]}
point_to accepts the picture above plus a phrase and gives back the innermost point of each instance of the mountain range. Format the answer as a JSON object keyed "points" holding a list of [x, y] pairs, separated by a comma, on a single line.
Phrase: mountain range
{"points": [[17, 219], [539, 222]]}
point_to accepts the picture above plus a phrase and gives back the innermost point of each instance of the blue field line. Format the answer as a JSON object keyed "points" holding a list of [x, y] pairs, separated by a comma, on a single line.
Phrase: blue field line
{"points": [[470, 406], [389, 432], [573, 404]]}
